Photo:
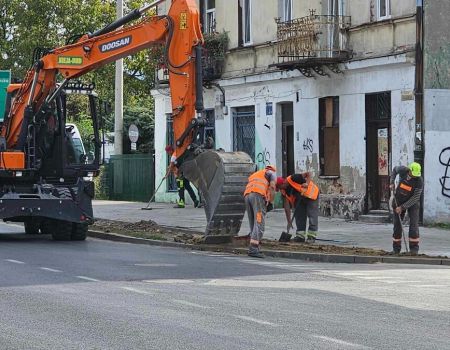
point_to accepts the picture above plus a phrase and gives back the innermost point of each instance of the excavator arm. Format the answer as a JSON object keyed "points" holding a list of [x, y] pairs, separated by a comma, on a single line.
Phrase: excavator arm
{"points": [[220, 176], [179, 31]]}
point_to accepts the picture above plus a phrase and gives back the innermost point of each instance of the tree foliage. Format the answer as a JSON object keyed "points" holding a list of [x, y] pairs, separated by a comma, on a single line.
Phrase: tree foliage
{"points": [[28, 24]]}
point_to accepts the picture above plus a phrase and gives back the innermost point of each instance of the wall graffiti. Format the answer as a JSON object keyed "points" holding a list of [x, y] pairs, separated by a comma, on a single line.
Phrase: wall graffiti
{"points": [[308, 145], [444, 159], [263, 158]]}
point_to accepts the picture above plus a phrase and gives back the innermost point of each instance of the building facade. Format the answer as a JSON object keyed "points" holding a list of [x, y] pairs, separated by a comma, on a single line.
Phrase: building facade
{"points": [[326, 86]]}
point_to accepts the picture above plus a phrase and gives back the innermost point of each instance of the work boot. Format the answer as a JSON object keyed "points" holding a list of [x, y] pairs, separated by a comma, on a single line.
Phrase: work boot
{"points": [[299, 237], [311, 237], [180, 204], [414, 251], [254, 252], [196, 204]]}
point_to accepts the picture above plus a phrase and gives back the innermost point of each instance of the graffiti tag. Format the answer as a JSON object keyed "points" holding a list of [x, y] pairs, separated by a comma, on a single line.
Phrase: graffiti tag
{"points": [[308, 145], [263, 158], [444, 159]]}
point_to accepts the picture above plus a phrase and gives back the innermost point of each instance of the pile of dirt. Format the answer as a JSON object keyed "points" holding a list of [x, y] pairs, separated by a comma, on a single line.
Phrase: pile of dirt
{"points": [[151, 230], [142, 229], [321, 248]]}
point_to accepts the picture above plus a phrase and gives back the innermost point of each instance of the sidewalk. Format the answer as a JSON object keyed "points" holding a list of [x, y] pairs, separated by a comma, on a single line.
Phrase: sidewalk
{"points": [[331, 231]]}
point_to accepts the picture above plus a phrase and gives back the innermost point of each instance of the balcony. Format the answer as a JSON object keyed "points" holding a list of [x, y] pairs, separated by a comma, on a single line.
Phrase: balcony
{"points": [[213, 60], [313, 41]]}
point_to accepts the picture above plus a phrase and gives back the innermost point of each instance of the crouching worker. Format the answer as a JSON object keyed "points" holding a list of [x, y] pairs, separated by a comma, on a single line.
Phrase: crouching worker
{"points": [[258, 194], [302, 194]]}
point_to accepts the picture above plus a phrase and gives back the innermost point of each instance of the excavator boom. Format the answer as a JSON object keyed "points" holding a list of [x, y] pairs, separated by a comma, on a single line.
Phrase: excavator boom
{"points": [[221, 177]]}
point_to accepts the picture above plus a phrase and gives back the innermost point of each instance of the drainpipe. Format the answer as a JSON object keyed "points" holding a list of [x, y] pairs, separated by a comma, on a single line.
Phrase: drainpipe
{"points": [[419, 148]]}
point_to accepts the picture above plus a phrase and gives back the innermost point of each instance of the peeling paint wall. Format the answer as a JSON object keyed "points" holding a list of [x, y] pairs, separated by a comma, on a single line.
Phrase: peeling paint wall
{"points": [[437, 44], [437, 111]]}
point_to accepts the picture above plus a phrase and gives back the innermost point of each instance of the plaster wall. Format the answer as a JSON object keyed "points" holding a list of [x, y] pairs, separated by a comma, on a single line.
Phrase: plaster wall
{"points": [[437, 156]]}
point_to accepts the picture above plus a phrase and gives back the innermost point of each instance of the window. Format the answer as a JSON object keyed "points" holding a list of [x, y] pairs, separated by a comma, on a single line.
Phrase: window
{"points": [[287, 11], [336, 7], [209, 16], [244, 130], [384, 9], [245, 22], [329, 136], [210, 128]]}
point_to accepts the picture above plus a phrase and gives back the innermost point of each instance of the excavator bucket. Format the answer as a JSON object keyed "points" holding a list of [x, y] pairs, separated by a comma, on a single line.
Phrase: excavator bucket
{"points": [[221, 178]]}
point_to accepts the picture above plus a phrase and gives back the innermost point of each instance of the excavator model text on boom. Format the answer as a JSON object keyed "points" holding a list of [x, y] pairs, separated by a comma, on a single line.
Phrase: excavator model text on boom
{"points": [[40, 182]]}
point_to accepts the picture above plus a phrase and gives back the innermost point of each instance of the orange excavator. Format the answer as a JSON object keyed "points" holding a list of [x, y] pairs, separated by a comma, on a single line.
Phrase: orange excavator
{"points": [[45, 183]]}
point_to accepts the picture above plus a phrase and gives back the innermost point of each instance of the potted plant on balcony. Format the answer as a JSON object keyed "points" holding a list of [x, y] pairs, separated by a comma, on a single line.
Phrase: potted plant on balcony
{"points": [[216, 45]]}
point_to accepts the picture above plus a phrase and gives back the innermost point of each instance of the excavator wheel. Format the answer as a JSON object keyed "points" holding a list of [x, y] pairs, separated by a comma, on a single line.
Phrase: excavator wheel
{"points": [[79, 232], [221, 178], [31, 227], [61, 230]]}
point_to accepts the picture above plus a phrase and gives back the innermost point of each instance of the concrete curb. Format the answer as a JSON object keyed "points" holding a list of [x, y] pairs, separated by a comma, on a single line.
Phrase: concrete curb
{"points": [[318, 257]]}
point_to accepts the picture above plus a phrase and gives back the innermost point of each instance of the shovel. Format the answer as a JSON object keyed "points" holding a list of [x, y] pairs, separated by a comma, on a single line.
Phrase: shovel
{"points": [[286, 236], [154, 194]]}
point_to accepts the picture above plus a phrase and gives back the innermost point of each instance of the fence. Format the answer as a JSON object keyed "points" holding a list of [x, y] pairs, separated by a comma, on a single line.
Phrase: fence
{"points": [[131, 177]]}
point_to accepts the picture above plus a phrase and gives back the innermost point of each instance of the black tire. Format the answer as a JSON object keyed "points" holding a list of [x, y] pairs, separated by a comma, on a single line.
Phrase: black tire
{"points": [[61, 230], [47, 226], [79, 232], [31, 227], [64, 192]]}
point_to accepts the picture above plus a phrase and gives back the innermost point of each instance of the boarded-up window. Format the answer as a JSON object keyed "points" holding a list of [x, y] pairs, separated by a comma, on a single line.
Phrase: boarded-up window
{"points": [[329, 136]]}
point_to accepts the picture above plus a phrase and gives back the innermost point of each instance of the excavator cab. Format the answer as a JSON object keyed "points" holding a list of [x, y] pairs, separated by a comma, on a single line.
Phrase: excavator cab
{"points": [[53, 190]]}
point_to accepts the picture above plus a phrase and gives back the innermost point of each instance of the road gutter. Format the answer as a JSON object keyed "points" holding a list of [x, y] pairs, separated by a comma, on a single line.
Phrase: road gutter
{"points": [[316, 257]]}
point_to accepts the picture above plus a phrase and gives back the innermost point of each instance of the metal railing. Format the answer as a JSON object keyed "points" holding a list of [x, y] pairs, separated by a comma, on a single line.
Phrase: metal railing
{"points": [[314, 37]]}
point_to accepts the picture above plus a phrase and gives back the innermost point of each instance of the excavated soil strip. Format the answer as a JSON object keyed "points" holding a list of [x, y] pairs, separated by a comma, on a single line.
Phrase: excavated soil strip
{"points": [[149, 232]]}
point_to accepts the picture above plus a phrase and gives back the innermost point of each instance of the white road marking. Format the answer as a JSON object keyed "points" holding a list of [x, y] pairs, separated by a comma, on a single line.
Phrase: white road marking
{"points": [[188, 303], [172, 281], [378, 278], [87, 278], [340, 342], [156, 265], [49, 269], [255, 320], [14, 261], [400, 282], [135, 290], [431, 286]]}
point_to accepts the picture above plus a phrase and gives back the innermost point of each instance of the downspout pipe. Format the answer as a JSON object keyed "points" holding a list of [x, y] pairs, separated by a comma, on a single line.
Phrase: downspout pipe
{"points": [[419, 148]]}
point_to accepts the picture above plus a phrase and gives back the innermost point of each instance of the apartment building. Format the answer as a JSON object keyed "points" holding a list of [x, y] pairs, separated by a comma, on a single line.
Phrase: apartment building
{"points": [[334, 87]]}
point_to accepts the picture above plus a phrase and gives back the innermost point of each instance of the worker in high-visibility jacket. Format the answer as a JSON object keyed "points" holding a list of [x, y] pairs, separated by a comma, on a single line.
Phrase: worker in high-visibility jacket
{"points": [[407, 199], [301, 194], [259, 193]]}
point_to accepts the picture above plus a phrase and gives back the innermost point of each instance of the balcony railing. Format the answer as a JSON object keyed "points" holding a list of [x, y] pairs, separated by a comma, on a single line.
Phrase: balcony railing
{"points": [[313, 40], [212, 70]]}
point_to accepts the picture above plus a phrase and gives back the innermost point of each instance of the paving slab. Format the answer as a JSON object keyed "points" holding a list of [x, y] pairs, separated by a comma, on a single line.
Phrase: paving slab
{"points": [[434, 241]]}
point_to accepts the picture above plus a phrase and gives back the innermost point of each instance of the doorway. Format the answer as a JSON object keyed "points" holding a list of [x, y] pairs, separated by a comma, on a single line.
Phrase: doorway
{"points": [[287, 138], [378, 150]]}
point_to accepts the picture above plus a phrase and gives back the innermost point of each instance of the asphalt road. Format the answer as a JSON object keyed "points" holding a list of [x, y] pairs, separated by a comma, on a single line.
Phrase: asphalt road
{"points": [[105, 295]]}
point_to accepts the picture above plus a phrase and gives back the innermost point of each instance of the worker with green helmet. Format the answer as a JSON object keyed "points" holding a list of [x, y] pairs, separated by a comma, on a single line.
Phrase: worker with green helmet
{"points": [[407, 198]]}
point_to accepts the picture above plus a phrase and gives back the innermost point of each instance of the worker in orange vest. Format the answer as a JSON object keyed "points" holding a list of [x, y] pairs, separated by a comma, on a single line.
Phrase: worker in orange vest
{"points": [[301, 193], [259, 193]]}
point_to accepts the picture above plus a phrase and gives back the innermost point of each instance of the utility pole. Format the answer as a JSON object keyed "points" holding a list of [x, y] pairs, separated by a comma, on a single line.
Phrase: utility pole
{"points": [[118, 115]]}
